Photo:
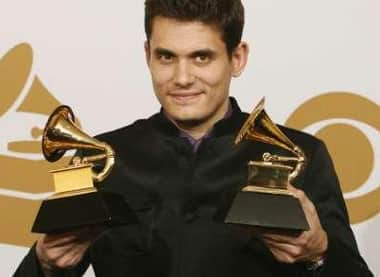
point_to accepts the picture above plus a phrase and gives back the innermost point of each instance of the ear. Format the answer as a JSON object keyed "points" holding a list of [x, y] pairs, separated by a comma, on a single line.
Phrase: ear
{"points": [[239, 58], [147, 52]]}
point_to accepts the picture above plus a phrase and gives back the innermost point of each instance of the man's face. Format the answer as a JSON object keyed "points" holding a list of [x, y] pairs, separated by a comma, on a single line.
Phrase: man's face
{"points": [[191, 70]]}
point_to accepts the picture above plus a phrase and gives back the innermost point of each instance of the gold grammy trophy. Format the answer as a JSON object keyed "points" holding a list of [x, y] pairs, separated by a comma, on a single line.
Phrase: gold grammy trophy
{"points": [[265, 201], [76, 202]]}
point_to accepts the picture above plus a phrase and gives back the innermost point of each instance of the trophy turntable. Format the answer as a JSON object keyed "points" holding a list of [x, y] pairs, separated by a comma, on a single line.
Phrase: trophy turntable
{"points": [[76, 202], [265, 201]]}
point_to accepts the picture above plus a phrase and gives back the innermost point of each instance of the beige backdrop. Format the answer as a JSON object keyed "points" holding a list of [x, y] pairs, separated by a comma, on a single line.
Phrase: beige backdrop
{"points": [[316, 63]]}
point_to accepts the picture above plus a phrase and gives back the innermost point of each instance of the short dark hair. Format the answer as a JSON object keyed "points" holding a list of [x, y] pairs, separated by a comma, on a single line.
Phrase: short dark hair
{"points": [[226, 15]]}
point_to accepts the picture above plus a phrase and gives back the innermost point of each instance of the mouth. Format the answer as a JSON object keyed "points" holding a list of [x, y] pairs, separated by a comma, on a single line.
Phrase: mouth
{"points": [[185, 97]]}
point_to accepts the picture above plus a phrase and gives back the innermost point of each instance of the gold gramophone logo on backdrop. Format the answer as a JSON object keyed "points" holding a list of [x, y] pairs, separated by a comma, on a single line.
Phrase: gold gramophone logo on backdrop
{"points": [[349, 145], [24, 108]]}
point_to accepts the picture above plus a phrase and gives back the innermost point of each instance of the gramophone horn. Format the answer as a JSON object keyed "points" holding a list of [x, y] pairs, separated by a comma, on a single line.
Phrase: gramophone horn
{"points": [[62, 134], [53, 133], [259, 127]]}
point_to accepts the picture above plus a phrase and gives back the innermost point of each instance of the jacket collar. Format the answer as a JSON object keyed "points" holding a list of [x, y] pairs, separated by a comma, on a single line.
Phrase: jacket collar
{"points": [[225, 126]]}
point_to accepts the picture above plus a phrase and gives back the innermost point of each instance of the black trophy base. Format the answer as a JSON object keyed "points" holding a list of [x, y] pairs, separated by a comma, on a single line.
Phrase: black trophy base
{"points": [[267, 210], [99, 207]]}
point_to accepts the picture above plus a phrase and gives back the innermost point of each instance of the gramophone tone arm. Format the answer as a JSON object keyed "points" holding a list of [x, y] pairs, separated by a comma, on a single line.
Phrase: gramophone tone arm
{"points": [[86, 160], [268, 157], [93, 158], [109, 156], [299, 160]]}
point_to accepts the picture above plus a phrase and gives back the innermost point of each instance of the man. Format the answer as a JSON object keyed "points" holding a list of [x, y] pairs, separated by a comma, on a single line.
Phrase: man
{"points": [[179, 171]]}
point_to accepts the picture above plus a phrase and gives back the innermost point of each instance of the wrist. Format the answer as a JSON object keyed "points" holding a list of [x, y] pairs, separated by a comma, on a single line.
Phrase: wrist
{"points": [[319, 259], [46, 268], [315, 264], [320, 253]]}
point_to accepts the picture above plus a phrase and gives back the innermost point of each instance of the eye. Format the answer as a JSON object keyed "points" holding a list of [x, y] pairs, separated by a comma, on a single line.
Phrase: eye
{"points": [[202, 58], [348, 124], [165, 58]]}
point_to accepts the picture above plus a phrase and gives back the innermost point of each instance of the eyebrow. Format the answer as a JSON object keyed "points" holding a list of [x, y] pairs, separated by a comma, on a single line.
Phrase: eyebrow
{"points": [[162, 51], [201, 52]]}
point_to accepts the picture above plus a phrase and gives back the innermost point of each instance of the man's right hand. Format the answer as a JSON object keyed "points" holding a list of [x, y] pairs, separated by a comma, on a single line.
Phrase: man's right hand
{"points": [[64, 250]]}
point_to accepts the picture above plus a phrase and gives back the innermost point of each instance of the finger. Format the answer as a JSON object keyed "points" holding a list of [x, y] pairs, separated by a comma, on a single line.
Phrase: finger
{"points": [[71, 233], [307, 205], [278, 231], [290, 253], [302, 248], [84, 233], [282, 256], [52, 246], [80, 249], [299, 237], [282, 233], [303, 241], [300, 194], [58, 242], [294, 251], [67, 255], [278, 238], [73, 256], [52, 255]]}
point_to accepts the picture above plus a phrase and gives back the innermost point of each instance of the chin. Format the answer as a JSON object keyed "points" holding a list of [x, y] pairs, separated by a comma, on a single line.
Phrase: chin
{"points": [[187, 119], [184, 113]]}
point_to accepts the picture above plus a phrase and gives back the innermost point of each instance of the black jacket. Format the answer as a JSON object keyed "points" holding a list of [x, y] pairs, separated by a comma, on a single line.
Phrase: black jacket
{"points": [[182, 198]]}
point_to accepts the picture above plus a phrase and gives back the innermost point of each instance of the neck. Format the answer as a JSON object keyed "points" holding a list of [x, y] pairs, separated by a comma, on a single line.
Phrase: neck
{"points": [[193, 129], [199, 128]]}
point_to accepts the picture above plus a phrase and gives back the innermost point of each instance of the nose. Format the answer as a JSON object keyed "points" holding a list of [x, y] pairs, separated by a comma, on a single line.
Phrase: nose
{"points": [[183, 75]]}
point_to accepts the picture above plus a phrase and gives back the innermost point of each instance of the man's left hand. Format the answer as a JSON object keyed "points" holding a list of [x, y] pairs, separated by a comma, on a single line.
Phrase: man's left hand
{"points": [[290, 247]]}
